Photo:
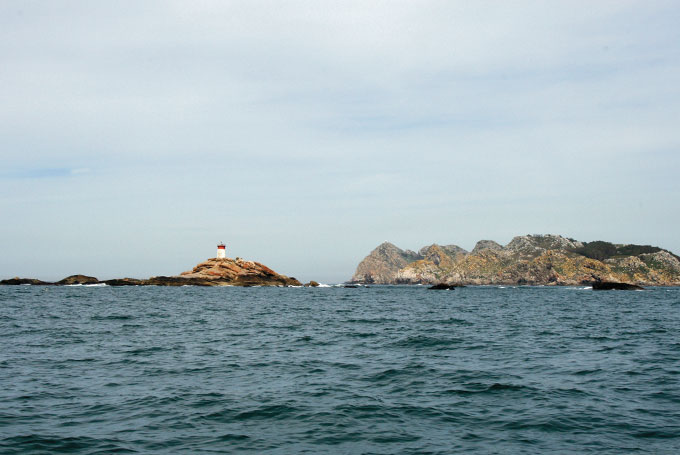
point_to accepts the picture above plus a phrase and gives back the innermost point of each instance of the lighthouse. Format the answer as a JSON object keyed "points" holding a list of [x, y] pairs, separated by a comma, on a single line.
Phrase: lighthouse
{"points": [[221, 251]]}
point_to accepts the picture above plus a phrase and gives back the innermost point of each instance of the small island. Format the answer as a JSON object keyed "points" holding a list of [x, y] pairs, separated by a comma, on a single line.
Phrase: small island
{"points": [[218, 271]]}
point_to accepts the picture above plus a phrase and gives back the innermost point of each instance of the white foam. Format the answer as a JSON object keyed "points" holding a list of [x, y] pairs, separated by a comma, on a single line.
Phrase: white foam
{"points": [[94, 285]]}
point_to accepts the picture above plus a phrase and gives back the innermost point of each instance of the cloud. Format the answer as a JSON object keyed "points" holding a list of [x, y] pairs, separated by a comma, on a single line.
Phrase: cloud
{"points": [[43, 173]]}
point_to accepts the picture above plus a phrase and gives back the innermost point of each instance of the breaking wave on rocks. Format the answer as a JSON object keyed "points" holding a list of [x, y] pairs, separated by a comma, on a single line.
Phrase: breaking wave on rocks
{"points": [[376, 370]]}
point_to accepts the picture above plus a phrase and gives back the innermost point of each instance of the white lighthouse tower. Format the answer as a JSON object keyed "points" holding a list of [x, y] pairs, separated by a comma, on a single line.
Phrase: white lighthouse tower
{"points": [[221, 251]]}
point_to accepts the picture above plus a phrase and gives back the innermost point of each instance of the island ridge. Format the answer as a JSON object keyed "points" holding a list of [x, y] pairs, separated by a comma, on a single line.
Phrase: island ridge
{"points": [[529, 259]]}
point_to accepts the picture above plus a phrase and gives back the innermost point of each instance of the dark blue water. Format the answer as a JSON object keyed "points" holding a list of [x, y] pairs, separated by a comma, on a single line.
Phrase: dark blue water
{"points": [[385, 370]]}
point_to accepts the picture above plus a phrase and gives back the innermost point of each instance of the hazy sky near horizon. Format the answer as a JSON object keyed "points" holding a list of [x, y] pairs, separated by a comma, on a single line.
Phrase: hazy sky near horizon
{"points": [[134, 136]]}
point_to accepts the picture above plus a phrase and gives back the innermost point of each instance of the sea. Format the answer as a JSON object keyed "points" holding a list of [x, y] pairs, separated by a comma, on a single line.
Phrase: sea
{"points": [[335, 370]]}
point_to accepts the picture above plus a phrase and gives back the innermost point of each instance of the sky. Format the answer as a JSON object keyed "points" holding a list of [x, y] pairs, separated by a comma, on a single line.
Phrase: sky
{"points": [[135, 136]]}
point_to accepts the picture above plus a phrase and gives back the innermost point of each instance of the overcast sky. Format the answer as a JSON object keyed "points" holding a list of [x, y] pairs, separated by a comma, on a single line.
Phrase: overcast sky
{"points": [[136, 135]]}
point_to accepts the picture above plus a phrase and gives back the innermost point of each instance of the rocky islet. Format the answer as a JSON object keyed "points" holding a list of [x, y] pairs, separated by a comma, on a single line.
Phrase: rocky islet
{"points": [[212, 272]]}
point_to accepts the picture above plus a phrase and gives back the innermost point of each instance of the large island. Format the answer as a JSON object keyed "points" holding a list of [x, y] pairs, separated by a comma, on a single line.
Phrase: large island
{"points": [[529, 259]]}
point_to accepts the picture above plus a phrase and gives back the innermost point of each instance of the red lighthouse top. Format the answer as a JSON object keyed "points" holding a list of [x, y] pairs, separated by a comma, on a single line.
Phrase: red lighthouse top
{"points": [[221, 246]]}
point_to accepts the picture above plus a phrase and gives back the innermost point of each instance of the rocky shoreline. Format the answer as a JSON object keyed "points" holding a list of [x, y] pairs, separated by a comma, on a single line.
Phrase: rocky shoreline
{"points": [[550, 260], [212, 272]]}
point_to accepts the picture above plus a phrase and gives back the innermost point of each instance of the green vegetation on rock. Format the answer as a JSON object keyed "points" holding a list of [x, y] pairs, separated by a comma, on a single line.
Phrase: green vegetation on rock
{"points": [[531, 259]]}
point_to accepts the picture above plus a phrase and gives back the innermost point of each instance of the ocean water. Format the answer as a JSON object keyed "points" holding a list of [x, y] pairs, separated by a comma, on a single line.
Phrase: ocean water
{"points": [[379, 370]]}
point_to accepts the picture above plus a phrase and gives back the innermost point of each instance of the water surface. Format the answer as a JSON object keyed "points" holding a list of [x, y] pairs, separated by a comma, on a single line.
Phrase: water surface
{"points": [[383, 370]]}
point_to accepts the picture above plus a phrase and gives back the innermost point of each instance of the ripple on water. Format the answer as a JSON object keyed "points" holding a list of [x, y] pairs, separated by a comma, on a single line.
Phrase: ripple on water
{"points": [[384, 370], [52, 443]]}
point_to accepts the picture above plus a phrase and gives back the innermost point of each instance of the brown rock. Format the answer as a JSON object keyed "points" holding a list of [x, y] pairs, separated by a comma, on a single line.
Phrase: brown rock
{"points": [[77, 279], [19, 281], [123, 282], [229, 272]]}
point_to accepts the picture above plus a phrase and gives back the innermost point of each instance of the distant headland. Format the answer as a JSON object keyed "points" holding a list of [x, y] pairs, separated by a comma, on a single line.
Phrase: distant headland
{"points": [[218, 271], [528, 259]]}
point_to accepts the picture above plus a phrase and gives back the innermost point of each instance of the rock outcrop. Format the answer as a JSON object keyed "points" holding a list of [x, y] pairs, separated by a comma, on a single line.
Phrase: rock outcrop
{"points": [[24, 281], [383, 263], [237, 272], [124, 282], [445, 287], [212, 272], [529, 259], [611, 286], [77, 279], [487, 245]]}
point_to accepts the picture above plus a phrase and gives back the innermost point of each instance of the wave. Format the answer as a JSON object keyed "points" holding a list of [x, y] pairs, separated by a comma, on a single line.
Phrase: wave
{"points": [[485, 389], [424, 341], [49, 443], [145, 351], [113, 317], [266, 412], [93, 285]]}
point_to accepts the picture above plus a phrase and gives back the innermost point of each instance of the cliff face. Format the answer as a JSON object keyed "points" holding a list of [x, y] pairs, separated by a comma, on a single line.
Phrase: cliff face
{"points": [[530, 259], [383, 263]]}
